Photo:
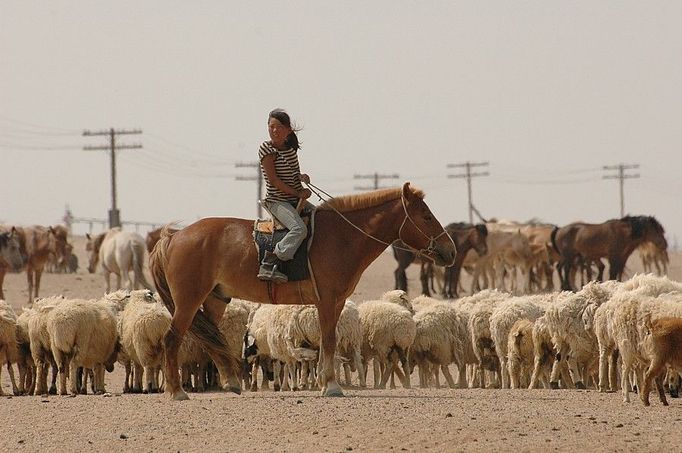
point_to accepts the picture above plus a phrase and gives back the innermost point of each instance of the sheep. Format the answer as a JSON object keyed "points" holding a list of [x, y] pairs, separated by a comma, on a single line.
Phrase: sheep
{"points": [[398, 296], [276, 326], [388, 334], [39, 338], [612, 320], [441, 339], [570, 322], [543, 357], [628, 320], [256, 349], [24, 360], [483, 304], [521, 351], [505, 314], [143, 324], [8, 343], [661, 347], [303, 333], [83, 333], [233, 325]]}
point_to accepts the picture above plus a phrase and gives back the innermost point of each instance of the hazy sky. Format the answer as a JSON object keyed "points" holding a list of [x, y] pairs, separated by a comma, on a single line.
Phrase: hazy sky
{"points": [[547, 92]]}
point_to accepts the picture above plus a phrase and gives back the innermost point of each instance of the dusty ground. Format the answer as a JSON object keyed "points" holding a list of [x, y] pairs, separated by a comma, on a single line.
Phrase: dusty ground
{"points": [[366, 420]]}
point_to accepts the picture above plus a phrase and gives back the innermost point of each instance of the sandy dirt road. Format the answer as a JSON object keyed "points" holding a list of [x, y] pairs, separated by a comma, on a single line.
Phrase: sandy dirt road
{"points": [[366, 420]]}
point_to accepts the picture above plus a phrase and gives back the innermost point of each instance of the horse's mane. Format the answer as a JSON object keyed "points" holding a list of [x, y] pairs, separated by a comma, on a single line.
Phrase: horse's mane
{"points": [[350, 203]]}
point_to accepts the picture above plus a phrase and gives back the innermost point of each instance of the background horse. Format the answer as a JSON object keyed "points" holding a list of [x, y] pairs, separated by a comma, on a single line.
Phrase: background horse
{"points": [[119, 252], [464, 235], [10, 254], [217, 255], [37, 244], [614, 239]]}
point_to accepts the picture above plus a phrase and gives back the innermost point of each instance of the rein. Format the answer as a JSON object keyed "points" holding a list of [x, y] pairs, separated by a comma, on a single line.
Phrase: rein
{"points": [[426, 252]]}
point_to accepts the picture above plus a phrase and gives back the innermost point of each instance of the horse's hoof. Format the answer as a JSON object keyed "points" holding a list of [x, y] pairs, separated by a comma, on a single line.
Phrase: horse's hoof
{"points": [[333, 390], [233, 389], [180, 395]]}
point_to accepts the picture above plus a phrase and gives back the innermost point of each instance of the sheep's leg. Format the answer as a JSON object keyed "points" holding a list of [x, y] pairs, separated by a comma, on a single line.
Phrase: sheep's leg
{"points": [[378, 376], [64, 363], [448, 376], [462, 377], [10, 370], [386, 371], [73, 381], [276, 369], [433, 372], [347, 375], [613, 371], [98, 380], [293, 376], [504, 371], [362, 371], [514, 374], [604, 362]]}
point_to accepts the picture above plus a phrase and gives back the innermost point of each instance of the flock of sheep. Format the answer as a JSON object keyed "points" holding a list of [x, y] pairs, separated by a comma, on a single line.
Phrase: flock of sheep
{"points": [[492, 339]]}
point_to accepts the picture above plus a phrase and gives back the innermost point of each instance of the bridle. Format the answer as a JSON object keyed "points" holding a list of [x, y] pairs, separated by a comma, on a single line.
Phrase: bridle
{"points": [[424, 252]]}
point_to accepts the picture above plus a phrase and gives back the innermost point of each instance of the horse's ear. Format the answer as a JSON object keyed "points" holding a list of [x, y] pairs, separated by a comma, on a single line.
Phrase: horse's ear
{"points": [[87, 235], [407, 192]]}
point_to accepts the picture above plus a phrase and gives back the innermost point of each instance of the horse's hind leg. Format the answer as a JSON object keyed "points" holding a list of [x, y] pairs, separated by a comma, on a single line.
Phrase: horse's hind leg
{"points": [[171, 344]]}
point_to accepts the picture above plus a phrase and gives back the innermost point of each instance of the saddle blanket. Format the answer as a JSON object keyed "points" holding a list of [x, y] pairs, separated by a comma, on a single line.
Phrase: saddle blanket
{"points": [[296, 268]]}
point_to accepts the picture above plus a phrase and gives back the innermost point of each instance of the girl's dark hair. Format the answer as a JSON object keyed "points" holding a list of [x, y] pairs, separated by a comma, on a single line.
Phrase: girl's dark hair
{"points": [[283, 117]]}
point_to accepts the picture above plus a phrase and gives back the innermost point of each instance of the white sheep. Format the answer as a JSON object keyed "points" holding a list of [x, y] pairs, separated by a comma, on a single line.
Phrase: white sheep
{"points": [[388, 334], [83, 333], [256, 349], [570, 322], [521, 351], [483, 304], [39, 338], [143, 324], [8, 342], [233, 325], [442, 338], [25, 363], [505, 314]]}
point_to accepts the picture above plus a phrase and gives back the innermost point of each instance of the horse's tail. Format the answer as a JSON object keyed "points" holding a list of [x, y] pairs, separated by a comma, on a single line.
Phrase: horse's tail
{"points": [[157, 265], [207, 333], [137, 250], [553, 238]]}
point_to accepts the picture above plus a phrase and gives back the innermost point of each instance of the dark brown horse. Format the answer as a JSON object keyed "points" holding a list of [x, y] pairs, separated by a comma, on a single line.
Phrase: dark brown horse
{"points": [[583, 243], [464, 235], [195, 266]]}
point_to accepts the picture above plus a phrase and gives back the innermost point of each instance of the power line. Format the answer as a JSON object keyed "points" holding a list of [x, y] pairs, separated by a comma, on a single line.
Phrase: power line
{"points": [[621, 177], [114, 213], [468, 175], [375, 177]]}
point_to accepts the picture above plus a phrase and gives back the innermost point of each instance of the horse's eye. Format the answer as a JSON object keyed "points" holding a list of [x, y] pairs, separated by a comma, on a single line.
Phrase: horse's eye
{"points": [[428, 218]]}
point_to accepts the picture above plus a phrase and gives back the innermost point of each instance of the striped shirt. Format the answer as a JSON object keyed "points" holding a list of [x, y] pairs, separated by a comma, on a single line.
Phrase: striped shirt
{"points": [[286, 167]]}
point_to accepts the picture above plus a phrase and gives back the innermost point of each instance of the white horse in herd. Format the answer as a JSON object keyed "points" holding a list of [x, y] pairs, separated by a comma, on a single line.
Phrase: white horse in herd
{"points": [[119, 252]]}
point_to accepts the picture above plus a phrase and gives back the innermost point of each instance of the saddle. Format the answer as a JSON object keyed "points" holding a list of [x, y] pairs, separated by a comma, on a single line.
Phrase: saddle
{"points": [[267, 233]]}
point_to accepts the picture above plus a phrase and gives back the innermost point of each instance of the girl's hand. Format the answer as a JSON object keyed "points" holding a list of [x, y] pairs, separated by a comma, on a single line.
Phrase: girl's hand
{"points": [[305, 178]]}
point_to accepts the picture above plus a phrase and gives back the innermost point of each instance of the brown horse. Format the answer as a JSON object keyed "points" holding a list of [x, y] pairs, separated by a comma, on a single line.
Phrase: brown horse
{"points": [[10, 254], [464, 235], [216, 256], [37, 244], [616, 239]]}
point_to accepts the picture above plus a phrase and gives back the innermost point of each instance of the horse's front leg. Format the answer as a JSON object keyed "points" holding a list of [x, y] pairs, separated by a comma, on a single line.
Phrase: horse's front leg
{"points": [[29, 277], [329, 315]]}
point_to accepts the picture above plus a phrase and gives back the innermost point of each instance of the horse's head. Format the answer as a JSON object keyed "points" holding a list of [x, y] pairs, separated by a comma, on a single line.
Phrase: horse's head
{"points": [[92, 247], [10, 249], [648, 229], [58, 242], [479, 236], [422, 231]]}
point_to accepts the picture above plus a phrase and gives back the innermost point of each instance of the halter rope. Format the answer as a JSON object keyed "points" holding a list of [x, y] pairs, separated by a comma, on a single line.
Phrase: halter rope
{"points": [[420, 252]]}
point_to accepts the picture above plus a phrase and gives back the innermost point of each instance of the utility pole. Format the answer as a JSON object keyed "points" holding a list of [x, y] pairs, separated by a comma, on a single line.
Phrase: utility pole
{"points": [[621, 176], [114, 213], [258, 178], [376, 177], [468, 175]]}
